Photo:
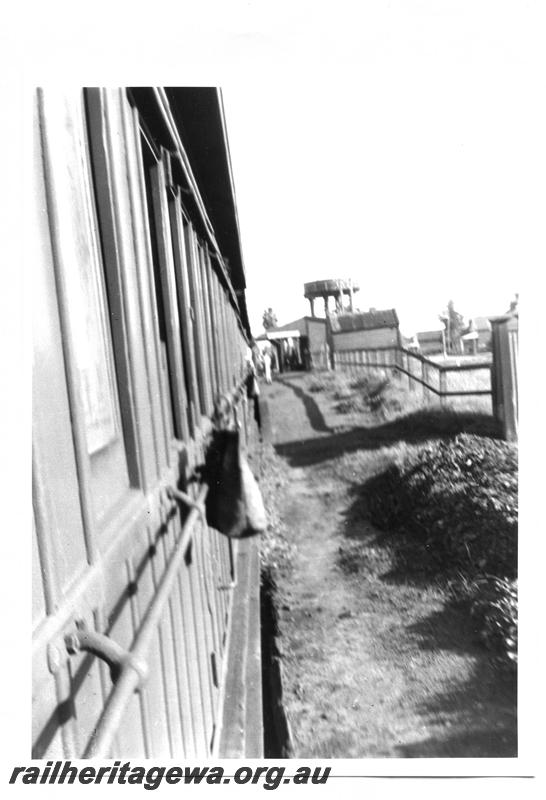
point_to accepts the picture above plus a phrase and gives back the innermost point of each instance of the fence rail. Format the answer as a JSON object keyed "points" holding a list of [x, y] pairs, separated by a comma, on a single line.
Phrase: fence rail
{"points": [[408, 362]]}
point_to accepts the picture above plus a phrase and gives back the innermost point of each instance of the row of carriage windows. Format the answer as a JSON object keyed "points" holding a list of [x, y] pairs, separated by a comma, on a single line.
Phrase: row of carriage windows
{"points": [[191, 373], [139, 334], [193, 332]]}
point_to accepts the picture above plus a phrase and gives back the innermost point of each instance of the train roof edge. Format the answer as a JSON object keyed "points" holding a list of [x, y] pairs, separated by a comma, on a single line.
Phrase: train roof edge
{"points": [[191, 121]]}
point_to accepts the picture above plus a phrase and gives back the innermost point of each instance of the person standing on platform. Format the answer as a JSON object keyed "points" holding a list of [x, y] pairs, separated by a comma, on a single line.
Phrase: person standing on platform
{"points": [[267, 365]]}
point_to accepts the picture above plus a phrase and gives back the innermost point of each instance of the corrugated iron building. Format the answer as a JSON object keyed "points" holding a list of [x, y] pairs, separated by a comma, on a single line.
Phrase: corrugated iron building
{"points": [[364, 330]]}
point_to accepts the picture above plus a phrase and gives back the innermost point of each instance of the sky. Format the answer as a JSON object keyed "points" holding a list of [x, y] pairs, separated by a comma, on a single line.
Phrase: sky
{"points": [[396, 142], [400, 148]]}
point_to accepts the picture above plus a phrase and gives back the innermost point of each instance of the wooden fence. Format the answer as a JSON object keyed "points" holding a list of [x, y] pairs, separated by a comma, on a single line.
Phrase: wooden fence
{"points": [[497, 379], [431, 376]]}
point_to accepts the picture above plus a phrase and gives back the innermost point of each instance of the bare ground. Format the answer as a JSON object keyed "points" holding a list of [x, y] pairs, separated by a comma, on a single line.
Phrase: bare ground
{"points": [[374, 666]]}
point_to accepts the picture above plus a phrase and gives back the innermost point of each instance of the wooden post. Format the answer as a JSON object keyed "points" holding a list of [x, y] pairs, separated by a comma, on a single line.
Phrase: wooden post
{"points": [[409, 366], [443, 382], [505, 374], [406, 364]]}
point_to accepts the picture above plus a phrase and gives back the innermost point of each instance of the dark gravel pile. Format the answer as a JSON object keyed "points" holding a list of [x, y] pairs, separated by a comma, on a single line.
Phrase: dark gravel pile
{"points": [[451, 512]]}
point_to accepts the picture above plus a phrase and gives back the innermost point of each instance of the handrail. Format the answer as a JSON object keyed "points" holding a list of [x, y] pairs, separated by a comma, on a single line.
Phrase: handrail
{"points": [[129, 678], [422, 382], [417, 357], [442, 368], [131, 665]]}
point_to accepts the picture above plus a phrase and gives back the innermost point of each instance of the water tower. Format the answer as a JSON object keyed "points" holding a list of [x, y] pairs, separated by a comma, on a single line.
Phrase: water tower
{"points": [[334, 287]]}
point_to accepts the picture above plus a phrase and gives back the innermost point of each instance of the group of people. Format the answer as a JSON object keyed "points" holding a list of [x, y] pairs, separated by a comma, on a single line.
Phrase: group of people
{"points": [[264, 361]]}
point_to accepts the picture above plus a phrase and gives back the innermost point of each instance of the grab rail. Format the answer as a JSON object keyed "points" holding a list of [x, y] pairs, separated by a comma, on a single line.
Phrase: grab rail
{"points": [[130, 678], [107, 650], [129, 668]]}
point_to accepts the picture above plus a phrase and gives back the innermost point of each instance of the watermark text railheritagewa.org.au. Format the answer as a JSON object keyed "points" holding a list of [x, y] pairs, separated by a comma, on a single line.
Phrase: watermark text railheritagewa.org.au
{"points": [[60, 772]]}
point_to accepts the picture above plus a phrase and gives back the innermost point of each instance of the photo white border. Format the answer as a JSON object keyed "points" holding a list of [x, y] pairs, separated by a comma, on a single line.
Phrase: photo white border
{"points": [[203, 44]]}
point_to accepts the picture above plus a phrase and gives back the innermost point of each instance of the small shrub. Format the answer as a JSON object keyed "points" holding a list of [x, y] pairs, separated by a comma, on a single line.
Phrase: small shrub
{"points": [[376, 403], [366, 393], [348, 405], [377, 386], [342, 394], [316, 386], [361, 383], [324, 382]]}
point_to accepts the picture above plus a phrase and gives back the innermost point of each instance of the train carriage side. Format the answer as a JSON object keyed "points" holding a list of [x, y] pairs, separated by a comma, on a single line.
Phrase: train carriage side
{"points": [[139, 322]]}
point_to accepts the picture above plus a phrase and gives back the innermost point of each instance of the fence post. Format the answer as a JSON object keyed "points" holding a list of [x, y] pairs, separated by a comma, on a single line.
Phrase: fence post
{"points": [[409, 367], [505, 374], [443, 381], [424, 378]]}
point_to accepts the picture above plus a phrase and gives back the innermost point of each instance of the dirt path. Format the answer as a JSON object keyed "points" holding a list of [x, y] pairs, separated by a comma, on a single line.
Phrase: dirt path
{"points": [[374, 667]]}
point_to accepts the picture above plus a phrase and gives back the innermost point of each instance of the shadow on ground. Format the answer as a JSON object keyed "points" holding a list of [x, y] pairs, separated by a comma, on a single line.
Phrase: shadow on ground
{"points": [[471, 744], [314, 414], [411, 428], [478, 710]]}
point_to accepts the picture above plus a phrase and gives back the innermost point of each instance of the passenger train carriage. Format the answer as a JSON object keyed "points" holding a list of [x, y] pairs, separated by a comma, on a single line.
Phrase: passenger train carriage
{"points": [[145, 619]]}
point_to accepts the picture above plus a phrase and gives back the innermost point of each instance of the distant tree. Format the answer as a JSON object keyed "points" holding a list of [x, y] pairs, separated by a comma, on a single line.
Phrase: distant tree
{"points": [[454, 326], [269, 319]]}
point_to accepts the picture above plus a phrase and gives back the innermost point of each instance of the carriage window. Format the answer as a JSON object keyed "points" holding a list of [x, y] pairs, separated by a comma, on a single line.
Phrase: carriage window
{"points": [[166, 295], [82, 296], [149, 161], [196, 293], [93, 352]]}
